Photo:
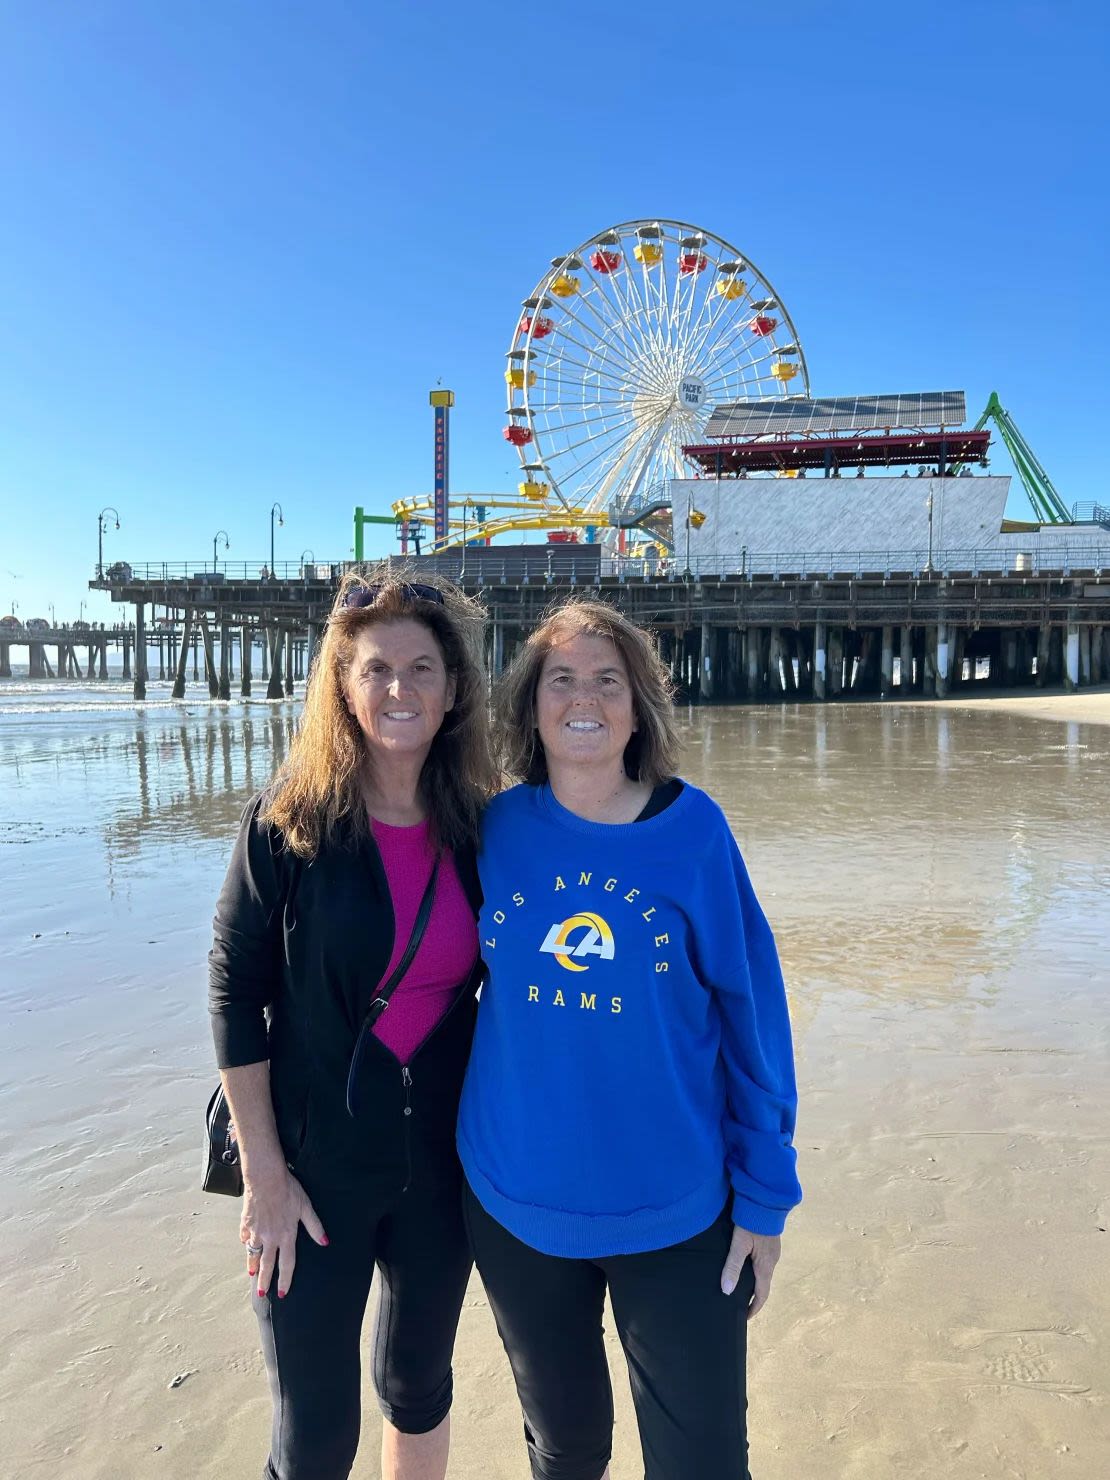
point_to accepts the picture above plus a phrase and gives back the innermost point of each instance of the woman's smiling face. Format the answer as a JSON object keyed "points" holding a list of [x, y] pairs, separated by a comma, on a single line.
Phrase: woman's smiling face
{"points": [[584, 710], [398, 688]]}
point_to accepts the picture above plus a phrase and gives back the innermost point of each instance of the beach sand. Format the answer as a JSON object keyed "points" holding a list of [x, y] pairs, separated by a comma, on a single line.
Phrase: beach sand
{"points": [[942, 1304], [1087, 706]]}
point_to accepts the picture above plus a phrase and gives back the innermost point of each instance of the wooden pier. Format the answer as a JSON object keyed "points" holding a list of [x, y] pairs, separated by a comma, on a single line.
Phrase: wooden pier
{"points": [[754, 637]]}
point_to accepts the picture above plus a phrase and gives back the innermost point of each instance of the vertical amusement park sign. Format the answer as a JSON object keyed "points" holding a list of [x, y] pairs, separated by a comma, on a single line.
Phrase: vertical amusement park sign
{"points": [[441, 403]]}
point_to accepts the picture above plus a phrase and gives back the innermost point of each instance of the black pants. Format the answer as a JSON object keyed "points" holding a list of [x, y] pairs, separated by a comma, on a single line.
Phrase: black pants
{"points": [[311, 1339], [685, 1344]]}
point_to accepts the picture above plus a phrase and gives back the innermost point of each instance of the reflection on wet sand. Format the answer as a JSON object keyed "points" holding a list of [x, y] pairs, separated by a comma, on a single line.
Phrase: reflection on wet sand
{"points": [[193, 779], [919, 845]]}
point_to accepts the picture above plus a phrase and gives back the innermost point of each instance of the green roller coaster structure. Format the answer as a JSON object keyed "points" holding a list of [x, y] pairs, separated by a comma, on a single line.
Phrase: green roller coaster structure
{"points": [[1047, 503]]}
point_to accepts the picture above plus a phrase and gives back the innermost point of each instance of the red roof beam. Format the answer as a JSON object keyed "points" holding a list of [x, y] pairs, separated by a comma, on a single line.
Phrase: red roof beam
{"points": [[840, 452]]}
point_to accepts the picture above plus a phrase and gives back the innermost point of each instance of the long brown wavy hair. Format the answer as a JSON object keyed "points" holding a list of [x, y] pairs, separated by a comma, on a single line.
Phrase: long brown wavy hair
{"points": [[316, 793], [652, 752]]}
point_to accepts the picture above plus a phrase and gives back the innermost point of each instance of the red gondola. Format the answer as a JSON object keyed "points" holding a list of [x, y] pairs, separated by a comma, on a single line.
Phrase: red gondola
{"points": [[691, 262], [762, 326], [543, 327], [605, 261], [518, 436]]}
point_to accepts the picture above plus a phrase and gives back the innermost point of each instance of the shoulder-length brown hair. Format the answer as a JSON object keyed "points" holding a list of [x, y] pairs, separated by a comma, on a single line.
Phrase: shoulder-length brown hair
{"points": [[316, 791], [651, 754]]}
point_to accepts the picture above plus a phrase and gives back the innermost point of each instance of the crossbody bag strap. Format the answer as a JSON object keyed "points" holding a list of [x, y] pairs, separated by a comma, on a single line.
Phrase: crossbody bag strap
{"points": [[419, 926], [387, 988]]}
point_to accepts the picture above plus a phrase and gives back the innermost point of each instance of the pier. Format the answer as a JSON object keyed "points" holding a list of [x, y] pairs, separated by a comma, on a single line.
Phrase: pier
{"points": [[775, 628]]}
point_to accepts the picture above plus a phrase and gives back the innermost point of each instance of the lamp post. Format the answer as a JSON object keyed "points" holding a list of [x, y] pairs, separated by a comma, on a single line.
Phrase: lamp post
{"points": [[101, 526], [311, 555], [215, 542], [929, 509], [50, 606], [277, 509]]}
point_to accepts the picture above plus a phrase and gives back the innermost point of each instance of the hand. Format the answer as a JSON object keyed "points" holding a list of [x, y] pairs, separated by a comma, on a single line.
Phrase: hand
{"points": [[764, 1250], [274, 1206]]}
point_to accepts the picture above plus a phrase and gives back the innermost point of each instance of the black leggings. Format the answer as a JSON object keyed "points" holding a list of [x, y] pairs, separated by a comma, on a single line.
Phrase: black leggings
{"points": [[311, 1339], [685, 1344]]}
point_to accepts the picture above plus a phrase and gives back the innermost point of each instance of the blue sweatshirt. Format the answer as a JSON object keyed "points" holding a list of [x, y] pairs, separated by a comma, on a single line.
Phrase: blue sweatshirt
{"points": [[632, 1058]]}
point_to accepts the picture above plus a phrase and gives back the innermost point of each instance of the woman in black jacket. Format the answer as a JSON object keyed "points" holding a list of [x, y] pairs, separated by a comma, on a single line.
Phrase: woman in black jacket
{"points": [[348, 1156]]}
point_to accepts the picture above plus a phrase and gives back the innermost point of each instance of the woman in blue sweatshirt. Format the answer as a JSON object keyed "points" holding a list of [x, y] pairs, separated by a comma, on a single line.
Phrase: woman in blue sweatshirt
{"points": [[628, 1112]]}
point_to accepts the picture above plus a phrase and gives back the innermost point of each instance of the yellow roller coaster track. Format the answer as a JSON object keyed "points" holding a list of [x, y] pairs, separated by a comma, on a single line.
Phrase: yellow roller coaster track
{"points": [[515, 516]]}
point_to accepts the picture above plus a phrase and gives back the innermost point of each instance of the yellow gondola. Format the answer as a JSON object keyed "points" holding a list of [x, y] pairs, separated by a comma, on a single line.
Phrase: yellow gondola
{"points": [[564, 286], [783, 370], [537, 491], [648, 253], [519, 378], [731, 287]]}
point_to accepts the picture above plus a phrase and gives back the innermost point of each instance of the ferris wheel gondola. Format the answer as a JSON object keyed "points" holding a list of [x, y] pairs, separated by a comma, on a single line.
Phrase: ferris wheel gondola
{"points": [[624, 348]]}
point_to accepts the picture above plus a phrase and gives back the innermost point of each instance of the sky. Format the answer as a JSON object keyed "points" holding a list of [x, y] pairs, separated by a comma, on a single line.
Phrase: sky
{"points": [[239, 243]]}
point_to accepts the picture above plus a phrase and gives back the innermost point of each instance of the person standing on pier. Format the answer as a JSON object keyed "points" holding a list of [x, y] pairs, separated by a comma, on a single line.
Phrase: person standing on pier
{"points": [[628, 1114], [345, 1108]]}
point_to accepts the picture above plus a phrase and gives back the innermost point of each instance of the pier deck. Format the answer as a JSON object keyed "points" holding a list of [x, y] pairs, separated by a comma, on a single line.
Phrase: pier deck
{"points": [[843, 626]]}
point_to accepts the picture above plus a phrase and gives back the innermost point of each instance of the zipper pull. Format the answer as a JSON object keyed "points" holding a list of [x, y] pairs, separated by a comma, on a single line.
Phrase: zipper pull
{"points": [[406, 1080]]}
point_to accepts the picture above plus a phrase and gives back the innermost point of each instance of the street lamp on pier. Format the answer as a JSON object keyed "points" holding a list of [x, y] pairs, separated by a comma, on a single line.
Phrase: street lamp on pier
{"points": [[101, 526], [311, 555], [281, 520], [53, 621], [215, 542], [929, 510]]}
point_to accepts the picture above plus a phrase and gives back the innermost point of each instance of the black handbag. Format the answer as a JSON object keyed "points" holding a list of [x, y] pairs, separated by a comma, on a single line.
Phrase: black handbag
{"points": [[223, 1171]]}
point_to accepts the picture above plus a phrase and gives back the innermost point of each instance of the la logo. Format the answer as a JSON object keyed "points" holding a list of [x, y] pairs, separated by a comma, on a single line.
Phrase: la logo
{"points": [[597, 940]]}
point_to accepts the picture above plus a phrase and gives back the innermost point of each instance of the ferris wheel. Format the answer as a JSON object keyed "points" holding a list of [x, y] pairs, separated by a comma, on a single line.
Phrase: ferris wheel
{"points": [[623, 349]]}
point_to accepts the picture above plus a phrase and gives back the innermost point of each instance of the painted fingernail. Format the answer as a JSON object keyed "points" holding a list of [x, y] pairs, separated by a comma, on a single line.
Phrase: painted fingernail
{"points": [[325, 1241], [281, 1294], [261, 1292]]}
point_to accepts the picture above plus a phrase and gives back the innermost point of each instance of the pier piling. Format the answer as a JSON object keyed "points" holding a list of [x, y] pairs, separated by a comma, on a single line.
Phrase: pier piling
{"points": [[139, 690], [178, 690], [223, 687], [273, 687], [246, 652]]}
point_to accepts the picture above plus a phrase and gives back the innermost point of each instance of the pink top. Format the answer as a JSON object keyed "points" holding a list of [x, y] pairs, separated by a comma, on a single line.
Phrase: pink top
{"points": [[448, 950]]}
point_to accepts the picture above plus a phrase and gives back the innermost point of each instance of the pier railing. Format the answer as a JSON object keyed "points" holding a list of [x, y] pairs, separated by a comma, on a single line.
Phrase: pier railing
{"points": [[1063, 559], [227, 570], [582, 564]]}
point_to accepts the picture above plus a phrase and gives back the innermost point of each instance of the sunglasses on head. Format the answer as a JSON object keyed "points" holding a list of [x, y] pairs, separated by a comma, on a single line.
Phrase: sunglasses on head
{"points": [[411, 591]]}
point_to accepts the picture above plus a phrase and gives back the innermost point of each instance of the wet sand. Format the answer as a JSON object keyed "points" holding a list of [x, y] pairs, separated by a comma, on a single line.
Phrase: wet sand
{"points": [[939, 881]]}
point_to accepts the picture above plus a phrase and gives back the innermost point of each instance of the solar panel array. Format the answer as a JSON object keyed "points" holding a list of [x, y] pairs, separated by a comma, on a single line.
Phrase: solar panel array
{"points": [[797, 415]]}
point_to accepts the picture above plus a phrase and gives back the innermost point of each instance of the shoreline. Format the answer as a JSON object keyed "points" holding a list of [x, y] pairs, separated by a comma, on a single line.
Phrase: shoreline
{"points": [[1085, 706]]}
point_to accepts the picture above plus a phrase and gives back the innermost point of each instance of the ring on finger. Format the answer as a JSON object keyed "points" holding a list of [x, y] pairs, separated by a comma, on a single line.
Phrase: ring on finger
{"points": [[254, 1250]]}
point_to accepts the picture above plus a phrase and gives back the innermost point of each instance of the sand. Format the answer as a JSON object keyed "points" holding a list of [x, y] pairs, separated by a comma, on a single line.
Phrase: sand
{"points": [[1089, 706], [942, 1305]]}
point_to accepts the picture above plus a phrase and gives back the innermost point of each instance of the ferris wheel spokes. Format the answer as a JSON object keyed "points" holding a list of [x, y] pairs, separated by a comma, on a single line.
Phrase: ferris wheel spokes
{"points": [[636, 335]]}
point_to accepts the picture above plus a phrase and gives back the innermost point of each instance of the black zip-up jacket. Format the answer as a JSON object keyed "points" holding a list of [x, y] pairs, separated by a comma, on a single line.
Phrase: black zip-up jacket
{"points": [[299, 949]]}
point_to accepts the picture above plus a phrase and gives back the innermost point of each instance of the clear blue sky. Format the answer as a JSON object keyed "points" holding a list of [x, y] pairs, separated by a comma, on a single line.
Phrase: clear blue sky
{"points": [[241, 241]]}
